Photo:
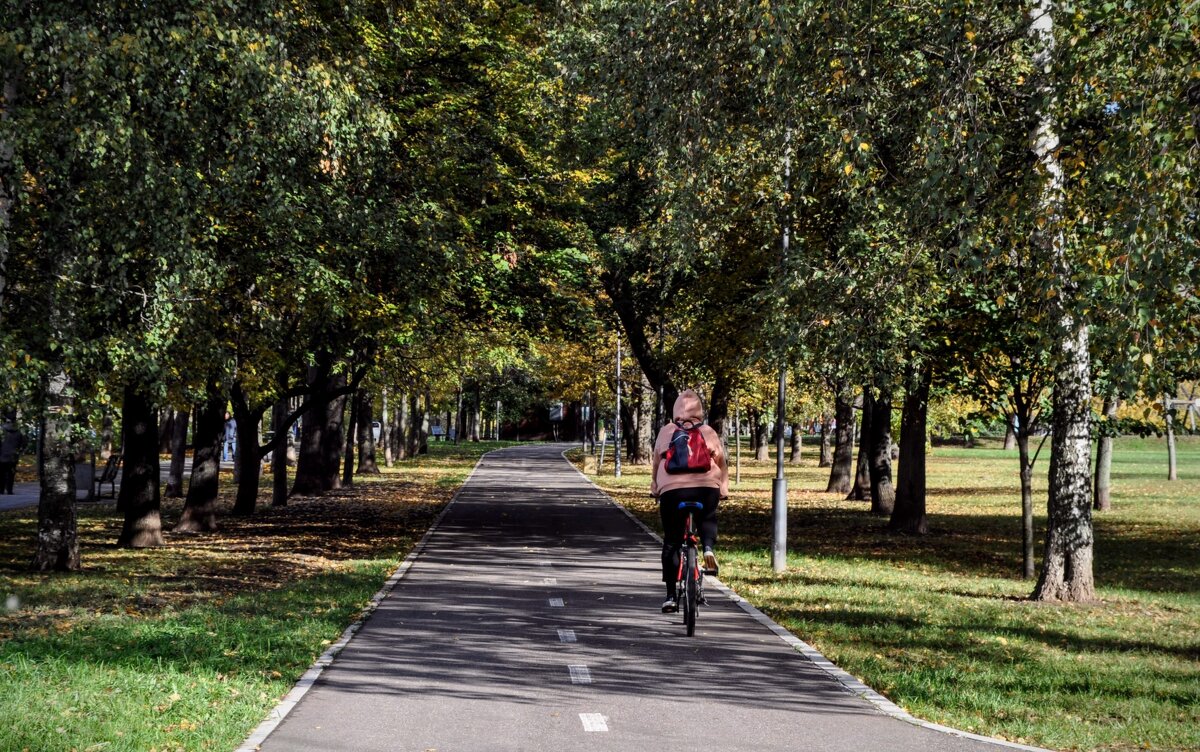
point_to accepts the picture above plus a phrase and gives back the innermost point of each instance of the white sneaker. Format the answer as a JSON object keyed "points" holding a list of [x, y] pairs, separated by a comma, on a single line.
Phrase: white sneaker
{"points": [[710, 560], [670, 605]]}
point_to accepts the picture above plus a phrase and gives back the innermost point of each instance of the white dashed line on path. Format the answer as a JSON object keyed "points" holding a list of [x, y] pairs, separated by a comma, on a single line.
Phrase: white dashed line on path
{"points": [[566, 635], [556, 603], [593, 722], [549, 580], [580, 674]]}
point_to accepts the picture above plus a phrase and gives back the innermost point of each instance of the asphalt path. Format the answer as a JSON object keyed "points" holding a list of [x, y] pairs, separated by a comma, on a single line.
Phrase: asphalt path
{"points": [[531, 622]]}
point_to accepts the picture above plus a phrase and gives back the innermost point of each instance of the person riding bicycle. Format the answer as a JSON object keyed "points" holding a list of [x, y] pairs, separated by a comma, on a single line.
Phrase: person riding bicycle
{"points": [[704, 485]]}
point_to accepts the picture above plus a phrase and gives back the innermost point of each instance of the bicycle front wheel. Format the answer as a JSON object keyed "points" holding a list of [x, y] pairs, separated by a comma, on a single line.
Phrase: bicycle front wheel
{"points": [[691, 574]]}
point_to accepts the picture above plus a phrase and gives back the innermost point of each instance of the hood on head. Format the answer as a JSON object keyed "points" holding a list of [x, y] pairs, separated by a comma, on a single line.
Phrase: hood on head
{"points": [[688, 407]]}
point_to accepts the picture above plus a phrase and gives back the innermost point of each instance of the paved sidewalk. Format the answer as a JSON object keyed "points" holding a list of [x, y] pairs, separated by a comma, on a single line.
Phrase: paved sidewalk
{"points": [[531, 622], [27, 494]]}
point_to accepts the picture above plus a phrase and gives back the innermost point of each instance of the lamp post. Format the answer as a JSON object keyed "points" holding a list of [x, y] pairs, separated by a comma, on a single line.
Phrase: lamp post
{"points": [[779, 485], [617, 420]]}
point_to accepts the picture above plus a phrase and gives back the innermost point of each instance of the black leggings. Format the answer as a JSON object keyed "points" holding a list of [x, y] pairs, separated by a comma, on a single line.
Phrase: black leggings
{"points": [[673, 518]]}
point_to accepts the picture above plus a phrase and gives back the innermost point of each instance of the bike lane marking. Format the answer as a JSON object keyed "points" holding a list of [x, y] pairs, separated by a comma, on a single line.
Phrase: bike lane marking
{"points": [[593, 722], [556, 603], [580, 674]]}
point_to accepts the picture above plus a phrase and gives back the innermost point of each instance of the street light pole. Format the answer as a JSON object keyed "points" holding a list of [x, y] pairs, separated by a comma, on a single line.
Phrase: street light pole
{"points": [[617, 420], [779, 485]]}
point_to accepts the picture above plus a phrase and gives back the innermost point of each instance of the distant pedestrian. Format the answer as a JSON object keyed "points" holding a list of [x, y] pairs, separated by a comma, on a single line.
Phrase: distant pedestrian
{"points": [[229, 446], [10, 453]]}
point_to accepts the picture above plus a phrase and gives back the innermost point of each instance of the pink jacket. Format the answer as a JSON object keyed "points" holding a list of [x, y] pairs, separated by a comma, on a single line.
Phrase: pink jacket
{"points": [[689, 408]]}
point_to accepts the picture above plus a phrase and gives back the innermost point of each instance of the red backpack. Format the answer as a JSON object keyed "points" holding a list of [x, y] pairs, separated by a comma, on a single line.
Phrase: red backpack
{"points": [[688, 451]]}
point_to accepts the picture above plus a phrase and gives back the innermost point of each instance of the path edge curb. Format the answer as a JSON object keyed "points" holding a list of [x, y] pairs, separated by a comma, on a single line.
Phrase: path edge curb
{"points": [[276, 715], [814, 656]]}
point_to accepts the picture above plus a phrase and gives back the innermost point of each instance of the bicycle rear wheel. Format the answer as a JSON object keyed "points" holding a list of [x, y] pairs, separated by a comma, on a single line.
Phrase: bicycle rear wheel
{"points": [[691, 589]]}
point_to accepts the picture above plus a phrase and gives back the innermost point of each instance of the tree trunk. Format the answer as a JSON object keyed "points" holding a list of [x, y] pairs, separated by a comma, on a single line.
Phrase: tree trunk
{"points": [[476, 415], [1169, 418], [366, 434], [166, 430], [423, 425], [385, 432], [57, 534], [332, 438], [752, 419], [415, 416], [761, 437], [310, 462], [400, 427], [646, 434], [200, 507], [279, 479], [351, 404], [826, 455], [1027, 564], [249, 454], [1067, 563], [1101, 489], [459, 421], [1010, 436], [718, 405], [861, 491], [1067, 566], [843, 451], [139, 495], [178, 454], [796, 442], [908, 514], [879, 457]]}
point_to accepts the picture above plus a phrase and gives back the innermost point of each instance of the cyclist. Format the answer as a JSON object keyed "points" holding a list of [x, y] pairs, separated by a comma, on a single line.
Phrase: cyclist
{"points": [[706, 487]]}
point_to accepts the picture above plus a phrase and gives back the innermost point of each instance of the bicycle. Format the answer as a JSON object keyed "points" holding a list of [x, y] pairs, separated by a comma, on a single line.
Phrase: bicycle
{"points": [[689, 586]]}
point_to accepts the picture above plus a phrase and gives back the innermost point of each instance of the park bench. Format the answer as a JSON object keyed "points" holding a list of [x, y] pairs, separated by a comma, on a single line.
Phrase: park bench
{"points": [[109, 476]]}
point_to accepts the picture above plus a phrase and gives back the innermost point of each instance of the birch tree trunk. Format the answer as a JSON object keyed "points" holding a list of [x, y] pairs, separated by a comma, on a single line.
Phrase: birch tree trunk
{"points": [[1067, 565], [57, 535]]}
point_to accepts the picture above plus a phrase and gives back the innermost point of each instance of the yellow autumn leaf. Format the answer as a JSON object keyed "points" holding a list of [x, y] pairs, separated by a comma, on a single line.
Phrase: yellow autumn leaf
{"points": [[849, 168]]}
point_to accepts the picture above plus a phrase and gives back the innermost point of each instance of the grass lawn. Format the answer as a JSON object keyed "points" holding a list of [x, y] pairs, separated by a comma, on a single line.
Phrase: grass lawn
{"points": [[187, 647], [941, 624]]}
